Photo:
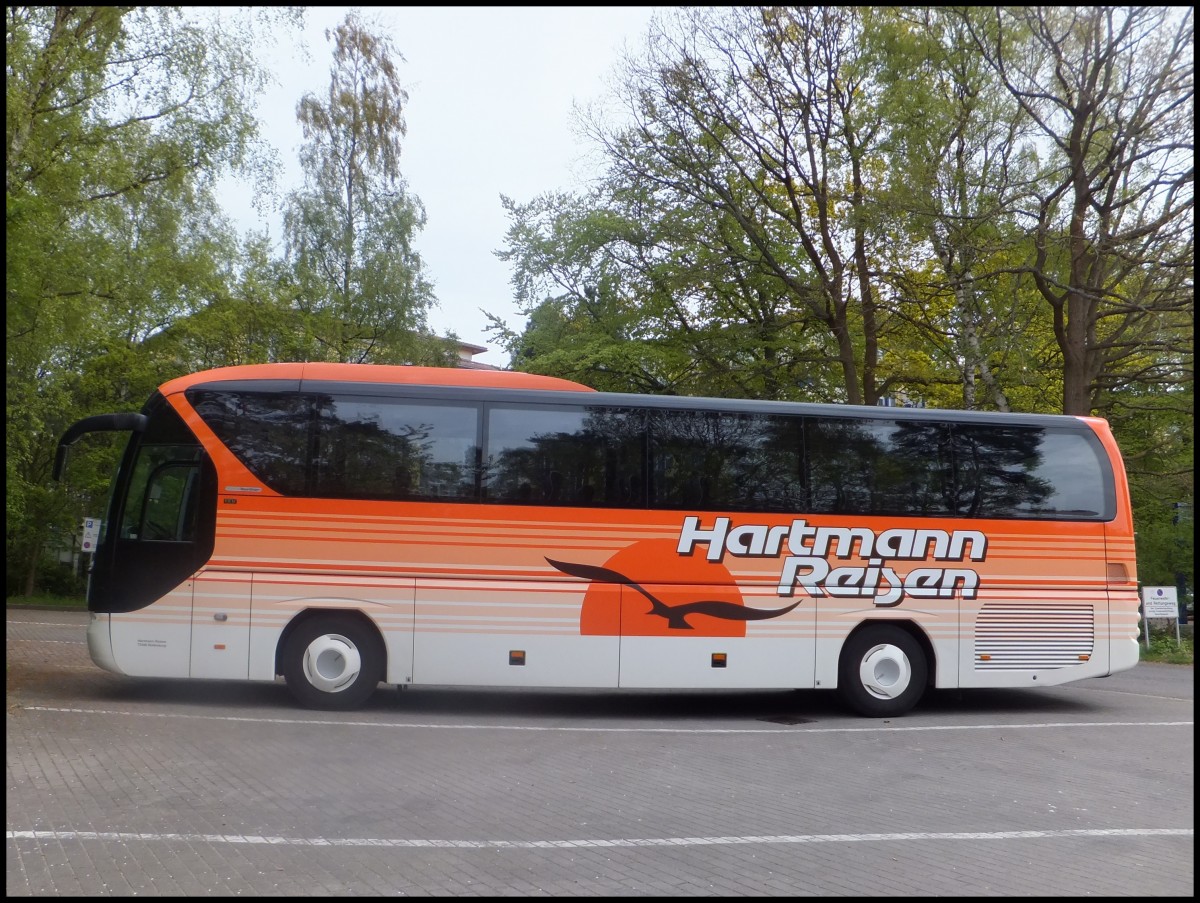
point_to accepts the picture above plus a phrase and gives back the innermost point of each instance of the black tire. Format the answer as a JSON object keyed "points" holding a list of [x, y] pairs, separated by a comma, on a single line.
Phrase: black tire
{"points": [[882, 672], [333, 662]]}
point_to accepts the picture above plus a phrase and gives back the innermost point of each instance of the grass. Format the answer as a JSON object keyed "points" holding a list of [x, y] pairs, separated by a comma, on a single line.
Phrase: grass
{"points": [[62, 603], [1163, 647]]}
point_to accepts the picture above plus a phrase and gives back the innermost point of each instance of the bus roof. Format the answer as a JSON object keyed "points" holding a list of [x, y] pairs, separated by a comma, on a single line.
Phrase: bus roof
{"points": [[552, 389], [377, 373]]}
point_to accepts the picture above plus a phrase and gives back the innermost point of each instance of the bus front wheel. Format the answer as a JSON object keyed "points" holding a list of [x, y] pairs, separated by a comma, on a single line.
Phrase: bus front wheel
{"points": [[882, 672], [333, 662]]}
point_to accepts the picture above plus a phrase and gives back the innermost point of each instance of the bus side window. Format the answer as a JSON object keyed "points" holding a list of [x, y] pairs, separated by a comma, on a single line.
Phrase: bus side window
{"points": [[168, 512]]}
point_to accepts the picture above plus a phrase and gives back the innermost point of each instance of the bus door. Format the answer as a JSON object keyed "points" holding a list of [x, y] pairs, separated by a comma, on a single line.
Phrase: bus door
{"points": [[143, 573], [212, 609]]}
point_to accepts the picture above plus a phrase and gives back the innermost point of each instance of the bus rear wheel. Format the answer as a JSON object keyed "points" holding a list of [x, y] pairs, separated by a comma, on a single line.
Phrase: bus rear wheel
{"points": [[333, 662], [882, 672]]}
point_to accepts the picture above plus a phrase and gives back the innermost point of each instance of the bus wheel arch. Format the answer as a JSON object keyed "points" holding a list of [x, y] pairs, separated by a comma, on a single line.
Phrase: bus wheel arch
{"points": [[331, 658], [884, 668]]}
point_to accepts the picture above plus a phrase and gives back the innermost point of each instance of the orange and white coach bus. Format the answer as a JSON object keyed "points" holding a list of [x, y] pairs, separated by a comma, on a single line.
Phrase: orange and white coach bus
{"points": [[349, 525]]}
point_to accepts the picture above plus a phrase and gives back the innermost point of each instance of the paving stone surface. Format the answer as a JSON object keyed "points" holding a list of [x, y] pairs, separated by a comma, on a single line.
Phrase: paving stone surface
{"points": [[120, 787]]}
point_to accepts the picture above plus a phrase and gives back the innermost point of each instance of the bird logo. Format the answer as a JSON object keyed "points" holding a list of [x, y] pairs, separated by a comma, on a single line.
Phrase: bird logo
{"points": [[676, 616]]}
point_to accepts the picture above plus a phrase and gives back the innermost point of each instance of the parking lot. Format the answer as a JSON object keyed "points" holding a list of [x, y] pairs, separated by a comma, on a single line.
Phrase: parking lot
{"points": [[116, 786]]}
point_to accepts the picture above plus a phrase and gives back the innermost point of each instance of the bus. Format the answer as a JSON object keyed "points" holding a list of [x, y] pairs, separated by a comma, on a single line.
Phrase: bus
{"points": [[343, 526]]}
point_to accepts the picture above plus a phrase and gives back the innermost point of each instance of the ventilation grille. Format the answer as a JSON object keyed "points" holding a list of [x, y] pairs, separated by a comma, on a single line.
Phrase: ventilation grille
{"points": [[1010, 637]]}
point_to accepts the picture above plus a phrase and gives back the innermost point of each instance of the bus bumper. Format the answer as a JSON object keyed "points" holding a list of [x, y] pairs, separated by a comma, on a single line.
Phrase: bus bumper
{"points": [[99, 642], [1123, 655]]}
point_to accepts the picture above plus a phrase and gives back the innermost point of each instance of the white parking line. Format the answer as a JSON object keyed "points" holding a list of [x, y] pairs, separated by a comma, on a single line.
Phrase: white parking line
{"points": [[614, 730], [123, 836]]}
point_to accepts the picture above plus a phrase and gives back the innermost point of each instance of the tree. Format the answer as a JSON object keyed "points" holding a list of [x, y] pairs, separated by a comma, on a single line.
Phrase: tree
{"points": [[1159, 451], [587, 320], [1110, 90], [360, 282], [766, 117], [956, 148], [117, 120], [635, 290]]}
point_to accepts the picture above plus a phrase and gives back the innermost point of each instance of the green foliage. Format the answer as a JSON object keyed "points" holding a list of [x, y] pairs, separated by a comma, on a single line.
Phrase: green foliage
{"points": [[955, 152], [121, 270], [118, 120], [72, 602], [1154, 426], [1165, 648]]}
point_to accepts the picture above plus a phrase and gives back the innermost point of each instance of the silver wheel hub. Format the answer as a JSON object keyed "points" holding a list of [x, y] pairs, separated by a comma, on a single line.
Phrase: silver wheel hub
{"points": [[331, 663], [885, 671]]}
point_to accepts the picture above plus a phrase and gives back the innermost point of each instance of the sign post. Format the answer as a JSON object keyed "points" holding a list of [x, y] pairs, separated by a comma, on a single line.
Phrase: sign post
{"points": [[1160, 602]]}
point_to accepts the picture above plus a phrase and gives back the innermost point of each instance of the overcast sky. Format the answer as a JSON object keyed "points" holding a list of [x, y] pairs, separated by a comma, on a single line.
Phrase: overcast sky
{"points": [[491, 91]]}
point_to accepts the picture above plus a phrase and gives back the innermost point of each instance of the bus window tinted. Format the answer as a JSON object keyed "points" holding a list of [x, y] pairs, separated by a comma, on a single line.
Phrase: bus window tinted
{"points": [[371, 448], [375, 448], [267, 431], [1028, 472], [728, 462], [551, 455], [878, 467]]}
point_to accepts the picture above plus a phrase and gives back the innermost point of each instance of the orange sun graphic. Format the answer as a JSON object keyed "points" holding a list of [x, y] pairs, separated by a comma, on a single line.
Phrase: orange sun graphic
{"points": [[613, 609]]}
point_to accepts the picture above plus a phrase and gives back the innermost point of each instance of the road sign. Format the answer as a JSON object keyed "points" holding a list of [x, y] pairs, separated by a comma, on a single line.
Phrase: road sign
{"points": [[91, 533], [1160, 602]]}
